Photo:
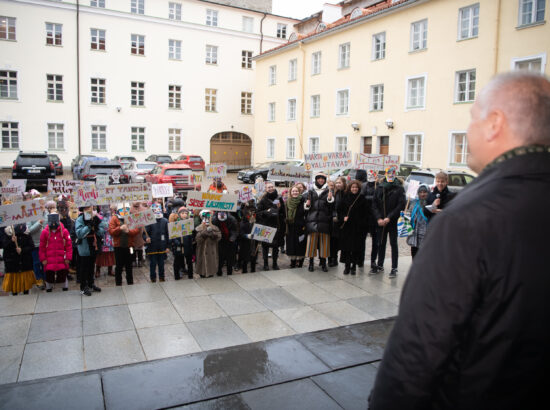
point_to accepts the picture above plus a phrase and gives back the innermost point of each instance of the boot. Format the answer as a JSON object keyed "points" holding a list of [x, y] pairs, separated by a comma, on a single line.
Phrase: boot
{"points": [[300, 263], [97, 271], [353, 269], [275, 266], [110, 271], [324, 265], [266, 264], [332, 262], [253, 266], [245, 267], [346, 269], [292, 263], [229, 270], [310, 268]]}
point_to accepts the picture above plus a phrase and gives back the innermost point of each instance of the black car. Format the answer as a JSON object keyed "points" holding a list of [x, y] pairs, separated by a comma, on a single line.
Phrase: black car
{"points": [[160, 159], [58, 165], [35, 167], [94, 168], [249, 175], [77, 159]]}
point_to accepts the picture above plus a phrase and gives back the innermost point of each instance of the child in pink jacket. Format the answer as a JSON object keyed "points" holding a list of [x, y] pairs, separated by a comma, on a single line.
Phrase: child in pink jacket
{"points": [[55, 252]]}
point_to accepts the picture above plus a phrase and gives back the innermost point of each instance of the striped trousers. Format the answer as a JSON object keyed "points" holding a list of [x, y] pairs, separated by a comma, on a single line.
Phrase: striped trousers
{"points": [[319, 241]]}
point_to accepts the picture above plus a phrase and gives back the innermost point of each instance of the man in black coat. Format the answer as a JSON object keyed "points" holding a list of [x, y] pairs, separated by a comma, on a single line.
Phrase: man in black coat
{"points": [[367, 190], [440, 196], [226, 246], [473, 330]]}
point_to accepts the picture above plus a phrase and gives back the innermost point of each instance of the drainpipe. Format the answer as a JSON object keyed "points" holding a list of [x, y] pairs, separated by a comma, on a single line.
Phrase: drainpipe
{"points": [[301, 131], [497, 38], [78, 74], [262, 32]]}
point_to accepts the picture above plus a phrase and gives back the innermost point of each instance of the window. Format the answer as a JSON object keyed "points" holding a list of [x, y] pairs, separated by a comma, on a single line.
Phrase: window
{"points": [[8, 84], [55, 136], [174, 11], [416, 92], [379, 46], [212, 18], [97, 39], [290, 148], [316, 63], [99, 137], [465, 88], [137, 94], [536, 64], [271, 111], [174, 97], [246, 61], [367, 145], [377, 97], [10, 135], [53, 34], [292, 68], [313, 145], [468, 22], [343, 55], [211, 54], [315, 111], [291, 110], [138, 139], [342, 102], [413, 149], [174, 49], [7, 29], [270, 149], [531, 11], [281, 30], [384, 145], [419, 35], [459, 148], [210, 99], [138, 45], [97, 90], [174, 139], [137, 6], [273, 75], [97, 3], [341, 144], [248, 24], [55, 87], [246, 103]]}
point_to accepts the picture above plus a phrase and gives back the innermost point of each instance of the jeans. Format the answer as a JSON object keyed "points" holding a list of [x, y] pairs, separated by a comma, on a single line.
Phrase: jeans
{"points": [[37, 265], [383, 232], [123, 260], [86, 269], [156, 259]]}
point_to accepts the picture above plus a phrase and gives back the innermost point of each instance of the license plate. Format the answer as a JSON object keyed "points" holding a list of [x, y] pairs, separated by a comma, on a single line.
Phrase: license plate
{"points": [[33, 171]]}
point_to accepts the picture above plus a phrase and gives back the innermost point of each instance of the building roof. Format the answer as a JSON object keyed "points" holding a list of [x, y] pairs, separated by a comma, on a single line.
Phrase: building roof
{"points": [[244, 8]]}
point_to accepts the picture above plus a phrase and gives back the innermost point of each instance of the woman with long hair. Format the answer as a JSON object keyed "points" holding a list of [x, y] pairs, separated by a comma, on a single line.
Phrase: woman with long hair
{"points": [[296, 233], [339, 191]]}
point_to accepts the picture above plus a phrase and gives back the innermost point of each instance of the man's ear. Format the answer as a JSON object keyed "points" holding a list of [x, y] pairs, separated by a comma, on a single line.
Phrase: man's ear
{"points": [[496, 121]]}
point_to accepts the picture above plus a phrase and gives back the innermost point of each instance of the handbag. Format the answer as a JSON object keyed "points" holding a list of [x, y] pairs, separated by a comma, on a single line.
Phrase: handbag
{"points": [[404, 227]]}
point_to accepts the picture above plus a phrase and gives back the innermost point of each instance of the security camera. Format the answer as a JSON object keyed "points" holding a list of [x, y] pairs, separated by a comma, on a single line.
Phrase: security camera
{"points": [[355, 126]]}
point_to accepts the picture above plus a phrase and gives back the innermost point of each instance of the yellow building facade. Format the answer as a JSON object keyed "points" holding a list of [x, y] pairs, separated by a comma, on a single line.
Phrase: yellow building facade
{"points": [[399, 77]]}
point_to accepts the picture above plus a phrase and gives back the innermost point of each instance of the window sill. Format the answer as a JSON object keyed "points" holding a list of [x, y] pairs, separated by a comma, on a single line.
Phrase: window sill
{"points": [[94, 104], [291, 81], [343, 68], [378, 59], [9, 149], [57, 149], [174, 59], [290, 120], [211, 111], [247, 114], [212, 64], [415, 163], [537, 23], [55, 101], [138, 150], [8, 39], [379, 110], [342, 115], [137, 55], [137, 106], [270, 120], [415, 108], [452, 164], [97, 49], [463, 102], [99, 150], [246, 68], [420, 50], [274, 84], [9, 99], [458, 40], [314, 116], [314, 74]]}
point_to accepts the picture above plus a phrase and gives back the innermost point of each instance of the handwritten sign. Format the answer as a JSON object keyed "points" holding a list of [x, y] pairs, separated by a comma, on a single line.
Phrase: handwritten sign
{"points": [[216, 170], [288, 173], [162, 190], [62, 186], [377, 162], [196, 178], [139, 219], [22, 212], [86, 194], [180, 228], [328, 160], [113, 194], [245, 194], [14, 187], [102, 180], [412, 189], [212, 200], [263, 233]]}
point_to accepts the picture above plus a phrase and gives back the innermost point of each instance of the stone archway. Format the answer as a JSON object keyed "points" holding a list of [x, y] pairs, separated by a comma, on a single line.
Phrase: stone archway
{"points": [[232, 148]]}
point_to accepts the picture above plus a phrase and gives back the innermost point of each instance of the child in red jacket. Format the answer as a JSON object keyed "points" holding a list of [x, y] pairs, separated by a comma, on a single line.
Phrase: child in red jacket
{"points": [[55, 252]]}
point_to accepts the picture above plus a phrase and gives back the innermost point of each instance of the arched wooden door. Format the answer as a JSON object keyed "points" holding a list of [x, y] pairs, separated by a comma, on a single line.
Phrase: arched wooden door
{"points": [[232, 148]]}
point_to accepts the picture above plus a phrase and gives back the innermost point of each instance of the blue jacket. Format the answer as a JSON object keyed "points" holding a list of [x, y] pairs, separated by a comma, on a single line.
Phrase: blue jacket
{"points": [[158, 232], [82, 230]]}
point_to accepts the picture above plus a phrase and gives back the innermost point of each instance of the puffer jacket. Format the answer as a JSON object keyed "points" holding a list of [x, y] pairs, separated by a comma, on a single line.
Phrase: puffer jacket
{"points": [[319, 213], [55, 248], [116, 232], [83, 229]]}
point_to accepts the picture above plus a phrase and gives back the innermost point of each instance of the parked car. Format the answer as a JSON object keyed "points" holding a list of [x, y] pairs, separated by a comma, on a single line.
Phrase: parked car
{"points": [[136, 171], [124, 160], [195, 162], [35, 167], [249, 175], [104, 167], [58, 165], [179, 175], [457, 179], [77, 172], [77, 159], [160, 159]]}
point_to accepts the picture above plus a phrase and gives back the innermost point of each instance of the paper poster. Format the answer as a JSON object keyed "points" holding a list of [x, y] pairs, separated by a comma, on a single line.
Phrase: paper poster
{"points": [[377, 162], [328, 160], [102, 180], [62, 186], [114, 194], [412, 188], [86, 194], [263, 233], [162, 190], [196, 178], [139, 219], [245, 194], [212, 200], [216, 170], [22, 212], [14, 187], [288, 173], [181, 228]]}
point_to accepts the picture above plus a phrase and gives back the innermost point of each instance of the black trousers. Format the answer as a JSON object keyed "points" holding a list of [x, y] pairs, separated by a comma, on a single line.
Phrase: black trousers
{"points": [[123, 260], [274, 251], [383, 232], [180, 260], [373, 230], [226, 254], [334, 247], [414, 251], [86, 270]]}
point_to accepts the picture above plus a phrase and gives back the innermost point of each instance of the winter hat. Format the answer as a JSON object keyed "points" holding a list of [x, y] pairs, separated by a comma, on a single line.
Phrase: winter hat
{"points": [[422, 188]]}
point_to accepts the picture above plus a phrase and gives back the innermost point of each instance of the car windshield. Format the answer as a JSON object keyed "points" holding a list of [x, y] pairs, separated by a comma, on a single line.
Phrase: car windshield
{"points": [[195, 159], [104, 169], [54, 157], [164, 158], [423, 178], [145, 166], [177, 172], [30, 159], [264, 165]]}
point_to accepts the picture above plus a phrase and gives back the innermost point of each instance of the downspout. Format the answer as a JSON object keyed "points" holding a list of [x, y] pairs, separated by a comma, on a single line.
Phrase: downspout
{"points": [[497, 38], [301, 132], [262, 32], [78, 74]]}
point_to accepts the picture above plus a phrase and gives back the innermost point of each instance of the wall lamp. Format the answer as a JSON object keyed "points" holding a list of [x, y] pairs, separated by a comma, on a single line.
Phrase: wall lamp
{"points": [[389, 123]]}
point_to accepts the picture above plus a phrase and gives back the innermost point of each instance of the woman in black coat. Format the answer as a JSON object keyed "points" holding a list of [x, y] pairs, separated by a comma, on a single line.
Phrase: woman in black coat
{"points": [[271, 212], [18, 248], [352, 220], [339, 191], [296, 233]]}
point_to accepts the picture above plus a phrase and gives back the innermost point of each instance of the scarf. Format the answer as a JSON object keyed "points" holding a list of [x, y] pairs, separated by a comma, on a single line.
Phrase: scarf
{"points": [[272, 196], [388, 185], [291, 206], [417, 210]]}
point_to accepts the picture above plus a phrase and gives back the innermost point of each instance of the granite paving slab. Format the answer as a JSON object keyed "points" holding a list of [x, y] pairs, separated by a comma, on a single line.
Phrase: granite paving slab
{"points": [[276, 298], [283, 277], [154, 314], [218, 285], [310, 293], [112, 349], [233, 402], [55, 325], [217, 333], [10, 360], [182, 288], [17, 305], [393, 297], [197, 308], [342, 312], [107, 297], [238, 303], [342, 289], [305, 319], [56, 301], [252, 281], [374, 305], [262, 326], [167, 341], [107, 319], [144, 293], [14, 329]]}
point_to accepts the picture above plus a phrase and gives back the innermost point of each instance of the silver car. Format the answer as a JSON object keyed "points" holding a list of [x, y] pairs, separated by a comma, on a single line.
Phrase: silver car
{"points": [[137, 170]]}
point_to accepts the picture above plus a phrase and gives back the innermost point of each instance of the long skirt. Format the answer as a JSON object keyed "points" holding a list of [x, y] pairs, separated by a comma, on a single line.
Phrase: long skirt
{"points": [[18, 281], [318, 240], [105, 259]]}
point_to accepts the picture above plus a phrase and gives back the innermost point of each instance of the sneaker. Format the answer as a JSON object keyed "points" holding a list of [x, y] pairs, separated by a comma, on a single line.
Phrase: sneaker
{"points": [[86, 292], [96, 289], [373, 270], [49, 290], [393, 273], [380, 268], [161, 280]]}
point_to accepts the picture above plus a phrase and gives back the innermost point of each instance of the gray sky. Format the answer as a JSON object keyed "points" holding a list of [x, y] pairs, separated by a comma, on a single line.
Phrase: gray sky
{"points": [[298, 8]]}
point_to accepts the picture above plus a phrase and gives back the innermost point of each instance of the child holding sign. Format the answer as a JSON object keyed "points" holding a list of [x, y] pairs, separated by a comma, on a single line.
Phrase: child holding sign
{"points": [[157, 243], [182, 247]]}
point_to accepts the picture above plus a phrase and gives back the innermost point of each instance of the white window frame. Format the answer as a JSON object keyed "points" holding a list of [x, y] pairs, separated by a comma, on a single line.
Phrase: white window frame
{"points": [[406, 145], [379, 46], [271, 111], [316, 63], [174, 49], [8, 87], [52, 85], [58, 130], [270, 145], [174, 11], [380, 97], [542, 57], [344, 55], [212, 17], [288, 110], [97, 3], [100, 92], [211, 57], [407, 97], [137, 94], [175, 97], [100, 133], [137, 44], [211, 99], [336, 143], [473, 28], [422, 35], [534, 12], [10, 22], [290, 153], [246, 59], [13, 140], [52, 29], [468, 83], [292, 69], [315, 106], [310, 144], [338, 106], [281, 30], [247, 98], [174, 139], [96, 35], [248, 24], [272, 77], [451, 162], [137, 7], [137, 139]]}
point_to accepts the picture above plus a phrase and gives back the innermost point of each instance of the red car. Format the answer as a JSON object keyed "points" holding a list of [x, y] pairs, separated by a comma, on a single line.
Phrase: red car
{"points": [[179, 175], [195, 162]]}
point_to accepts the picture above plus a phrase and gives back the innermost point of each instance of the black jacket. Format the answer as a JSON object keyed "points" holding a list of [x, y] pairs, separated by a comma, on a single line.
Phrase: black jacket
{"points": [[473, 330], [232, 227], [268, 214], [388, 202], [445, 197], [14, 262], [158, 232], [352, 231], [295, 230], [319, 214], [367, 190]]}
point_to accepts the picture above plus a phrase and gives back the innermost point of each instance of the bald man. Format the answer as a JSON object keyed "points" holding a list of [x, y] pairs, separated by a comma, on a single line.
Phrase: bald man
{"points": [[473, 330]]}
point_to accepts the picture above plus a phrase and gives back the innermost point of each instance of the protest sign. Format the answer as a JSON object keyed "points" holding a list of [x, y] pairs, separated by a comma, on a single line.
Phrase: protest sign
{"points": [[245, 194], [216, 170], [22, 212], [113, 194], [288, 173], [86, 194], [196, 178], [102, 180], [162, 190], [328, 160], [412, 189], [259, 186], [212, 200], [180, 228], [139, 219], [377, 162], [14, 187], [263, 233], [62, 186]]}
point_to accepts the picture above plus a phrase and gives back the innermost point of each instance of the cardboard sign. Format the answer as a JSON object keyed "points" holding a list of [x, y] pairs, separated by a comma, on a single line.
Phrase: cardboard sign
{"points": [[140, 219], [14, 187], [377, 162], [181, 228], [22, 212], [62, 186], [216, 170], [196, 178], [86, 194], [245, 194], [328, 160], [162, 190], [114, 194], [102, 180], [263, 233], [212, 200], [412, 188], [288, 173]]}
